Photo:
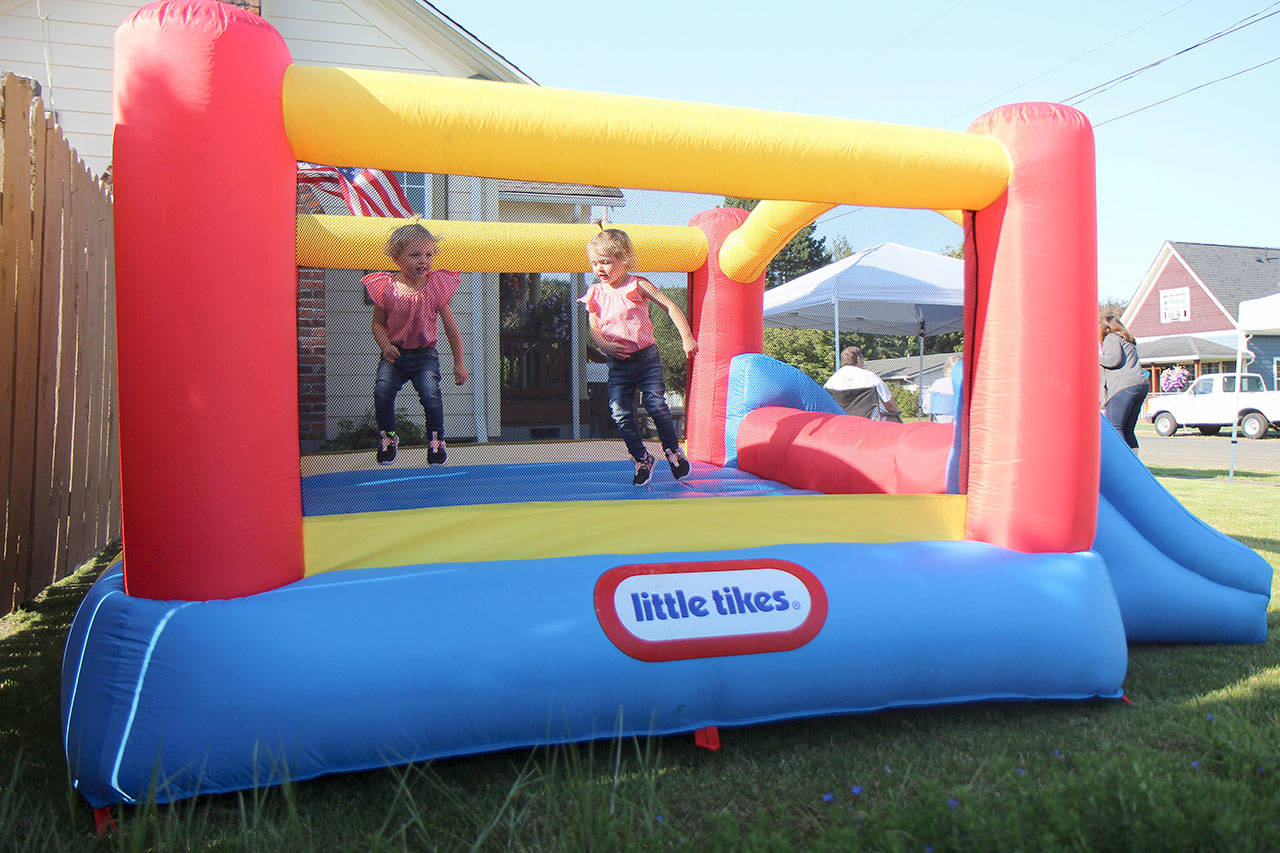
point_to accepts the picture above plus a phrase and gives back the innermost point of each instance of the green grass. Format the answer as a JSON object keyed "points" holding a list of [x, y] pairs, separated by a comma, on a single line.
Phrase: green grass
{"points": [[1192, 763]]}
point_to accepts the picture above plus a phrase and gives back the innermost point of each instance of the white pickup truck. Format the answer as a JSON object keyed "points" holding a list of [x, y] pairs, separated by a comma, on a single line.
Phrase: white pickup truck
{"points": [[1210, 404]]}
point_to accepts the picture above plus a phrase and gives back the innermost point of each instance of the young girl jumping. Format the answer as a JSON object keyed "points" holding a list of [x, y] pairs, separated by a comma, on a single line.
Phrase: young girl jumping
{"points": [[406, 306], [619, 314]]}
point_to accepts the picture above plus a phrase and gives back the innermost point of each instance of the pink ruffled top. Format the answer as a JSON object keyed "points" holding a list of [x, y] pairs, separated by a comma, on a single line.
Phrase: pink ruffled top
{"points": [[623, 313], [411, 314]]}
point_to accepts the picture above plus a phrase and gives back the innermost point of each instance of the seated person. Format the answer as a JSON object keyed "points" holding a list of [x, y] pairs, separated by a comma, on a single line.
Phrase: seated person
{"points": [[940, 401], [861, 392]]}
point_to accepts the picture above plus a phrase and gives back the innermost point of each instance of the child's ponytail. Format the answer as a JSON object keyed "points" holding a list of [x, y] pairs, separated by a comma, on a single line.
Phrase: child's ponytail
{"points": [[612, 242]]}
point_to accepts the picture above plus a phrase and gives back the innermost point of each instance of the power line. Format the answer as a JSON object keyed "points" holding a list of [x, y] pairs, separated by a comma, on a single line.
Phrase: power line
{"points": [[871, 59], [1255, 18], [970, 110], [1186, 92]]}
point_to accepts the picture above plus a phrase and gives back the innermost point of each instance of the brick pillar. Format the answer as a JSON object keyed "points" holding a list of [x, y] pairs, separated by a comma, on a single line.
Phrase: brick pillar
{"points": [[311, 342]]}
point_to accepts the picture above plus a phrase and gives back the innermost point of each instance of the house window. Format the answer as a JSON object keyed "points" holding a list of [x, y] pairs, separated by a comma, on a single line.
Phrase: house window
{"points": [[1175, 305], [1275, 373], [416, 185]]}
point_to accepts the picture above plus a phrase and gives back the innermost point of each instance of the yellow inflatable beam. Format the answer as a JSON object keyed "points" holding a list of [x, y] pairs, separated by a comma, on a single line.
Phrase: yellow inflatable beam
{"points": [[748, 250], [356, 242], [419, 123]]}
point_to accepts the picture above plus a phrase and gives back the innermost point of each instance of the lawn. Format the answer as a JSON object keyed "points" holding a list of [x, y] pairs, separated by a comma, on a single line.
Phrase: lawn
{"points": [[1191, 761]]}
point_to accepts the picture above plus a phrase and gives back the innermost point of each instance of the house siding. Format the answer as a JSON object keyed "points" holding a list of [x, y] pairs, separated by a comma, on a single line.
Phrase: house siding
{"points": [[1266, 361], [352, 34], [81, 39], [1204, 316]]}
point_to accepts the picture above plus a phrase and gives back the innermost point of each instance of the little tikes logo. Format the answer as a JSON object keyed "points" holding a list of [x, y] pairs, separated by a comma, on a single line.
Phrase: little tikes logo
{"points": [[674, 611]]}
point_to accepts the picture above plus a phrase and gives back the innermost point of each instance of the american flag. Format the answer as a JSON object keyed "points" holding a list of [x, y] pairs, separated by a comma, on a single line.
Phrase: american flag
{"points": [[366, 192]]}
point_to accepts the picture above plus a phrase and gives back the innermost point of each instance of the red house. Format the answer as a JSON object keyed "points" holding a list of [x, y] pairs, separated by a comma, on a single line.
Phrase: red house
{"points": [[1185, 310]]}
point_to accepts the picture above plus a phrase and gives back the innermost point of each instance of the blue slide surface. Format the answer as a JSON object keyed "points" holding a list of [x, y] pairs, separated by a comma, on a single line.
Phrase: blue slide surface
{"points": [[1177, 579]]}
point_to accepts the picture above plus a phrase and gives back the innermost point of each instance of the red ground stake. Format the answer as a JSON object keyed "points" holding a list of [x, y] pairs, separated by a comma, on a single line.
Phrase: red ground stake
{"points": [[104, 821], [708, 738]]}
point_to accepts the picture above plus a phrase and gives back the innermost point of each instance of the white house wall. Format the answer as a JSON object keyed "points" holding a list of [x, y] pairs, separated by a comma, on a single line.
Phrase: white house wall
{"points": [[79, 36]]}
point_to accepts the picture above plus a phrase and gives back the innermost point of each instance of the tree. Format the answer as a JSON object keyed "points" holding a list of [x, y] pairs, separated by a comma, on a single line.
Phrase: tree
{"points": [[840, 247], [1111, 305], [667, 337]]}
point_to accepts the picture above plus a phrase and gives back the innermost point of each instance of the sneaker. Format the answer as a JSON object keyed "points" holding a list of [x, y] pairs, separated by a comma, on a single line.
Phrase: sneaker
{"points": [[387, 444], [436, 453], [679, 464], [644, 470]]}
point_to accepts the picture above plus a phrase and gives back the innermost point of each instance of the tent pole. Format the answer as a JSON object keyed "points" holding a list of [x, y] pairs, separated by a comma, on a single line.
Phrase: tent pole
{"points": [[920, 375], [835, 308]]}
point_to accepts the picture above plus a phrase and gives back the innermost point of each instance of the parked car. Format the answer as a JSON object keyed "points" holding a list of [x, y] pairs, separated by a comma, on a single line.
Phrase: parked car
{"points": [[1211, 404]]}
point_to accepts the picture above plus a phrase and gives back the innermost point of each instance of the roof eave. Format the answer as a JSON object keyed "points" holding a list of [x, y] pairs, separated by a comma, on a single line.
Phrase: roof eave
{"points": [[555, 198], [491, 63]]}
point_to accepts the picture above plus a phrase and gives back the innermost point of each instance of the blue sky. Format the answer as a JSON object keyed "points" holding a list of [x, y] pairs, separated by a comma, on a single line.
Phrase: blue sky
{"points": [[1200, 168]]}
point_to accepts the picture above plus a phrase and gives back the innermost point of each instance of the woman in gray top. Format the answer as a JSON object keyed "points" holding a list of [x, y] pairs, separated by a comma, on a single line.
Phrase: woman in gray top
{"points": [[1124, 383]]}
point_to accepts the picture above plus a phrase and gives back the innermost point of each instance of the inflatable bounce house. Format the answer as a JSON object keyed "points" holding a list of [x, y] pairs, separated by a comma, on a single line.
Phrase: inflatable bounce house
{"points": [[264, 626]]}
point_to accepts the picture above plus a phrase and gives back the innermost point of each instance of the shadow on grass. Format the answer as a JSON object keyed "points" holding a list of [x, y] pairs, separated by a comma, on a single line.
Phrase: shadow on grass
{"points": [[30, 678]]}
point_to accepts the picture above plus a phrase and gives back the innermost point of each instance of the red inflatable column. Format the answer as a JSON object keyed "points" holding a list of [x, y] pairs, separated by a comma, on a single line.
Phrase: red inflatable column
{"points": [[206, 316], [727, 317], [1031, 338]]}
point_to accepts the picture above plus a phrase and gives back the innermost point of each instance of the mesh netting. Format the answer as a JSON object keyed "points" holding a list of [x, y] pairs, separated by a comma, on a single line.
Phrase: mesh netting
{"points": [[536, 390]]}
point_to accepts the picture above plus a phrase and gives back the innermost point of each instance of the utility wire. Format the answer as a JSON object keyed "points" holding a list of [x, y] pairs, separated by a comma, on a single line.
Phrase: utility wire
{"points": [[970, 110], [1080, 97], [1186, 92], [871, 59], [839, 215], [1255, 18]]}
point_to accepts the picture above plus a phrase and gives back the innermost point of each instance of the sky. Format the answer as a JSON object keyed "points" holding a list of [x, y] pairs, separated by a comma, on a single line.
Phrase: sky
{"points": [[1202, 167]]}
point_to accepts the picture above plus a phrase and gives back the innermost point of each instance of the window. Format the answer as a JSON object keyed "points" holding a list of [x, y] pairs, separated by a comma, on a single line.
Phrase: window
{"points": [[1250, 384], [1275, 373], [1204, 385], [415, 186], [1175, 305]]}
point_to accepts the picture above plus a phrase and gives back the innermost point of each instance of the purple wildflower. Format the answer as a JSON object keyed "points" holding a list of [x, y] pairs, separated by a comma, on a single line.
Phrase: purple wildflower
{"points": [[1195, 765], [856, 790], [1019, 771], [1209, 717], [828, 797], [953, 803]]}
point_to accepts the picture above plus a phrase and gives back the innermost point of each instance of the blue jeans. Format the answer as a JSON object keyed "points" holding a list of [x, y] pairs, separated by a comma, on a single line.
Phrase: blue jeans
{"points": [[1122, 411], [643, 371], [422, 368]]}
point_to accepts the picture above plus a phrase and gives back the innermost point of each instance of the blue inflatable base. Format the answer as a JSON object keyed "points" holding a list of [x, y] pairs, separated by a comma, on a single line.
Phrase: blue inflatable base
{"points": [[359, 669]]}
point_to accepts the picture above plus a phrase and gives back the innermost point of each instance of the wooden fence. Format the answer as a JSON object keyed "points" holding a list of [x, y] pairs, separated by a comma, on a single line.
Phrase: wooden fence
{"points": [[58, 450]]}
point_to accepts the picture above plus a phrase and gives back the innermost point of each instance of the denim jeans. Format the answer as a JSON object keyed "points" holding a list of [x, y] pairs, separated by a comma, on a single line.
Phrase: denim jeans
{"points": [[642, 371], [1122, 411], [422, 368]]}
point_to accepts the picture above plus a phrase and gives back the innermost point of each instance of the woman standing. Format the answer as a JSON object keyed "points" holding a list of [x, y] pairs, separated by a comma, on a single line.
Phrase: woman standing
{"points": [[1124, 383]]}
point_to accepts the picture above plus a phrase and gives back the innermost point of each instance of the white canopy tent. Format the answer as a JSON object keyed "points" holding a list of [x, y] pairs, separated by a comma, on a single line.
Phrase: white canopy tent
{"points": [[1257, 317], [887, 289]]}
